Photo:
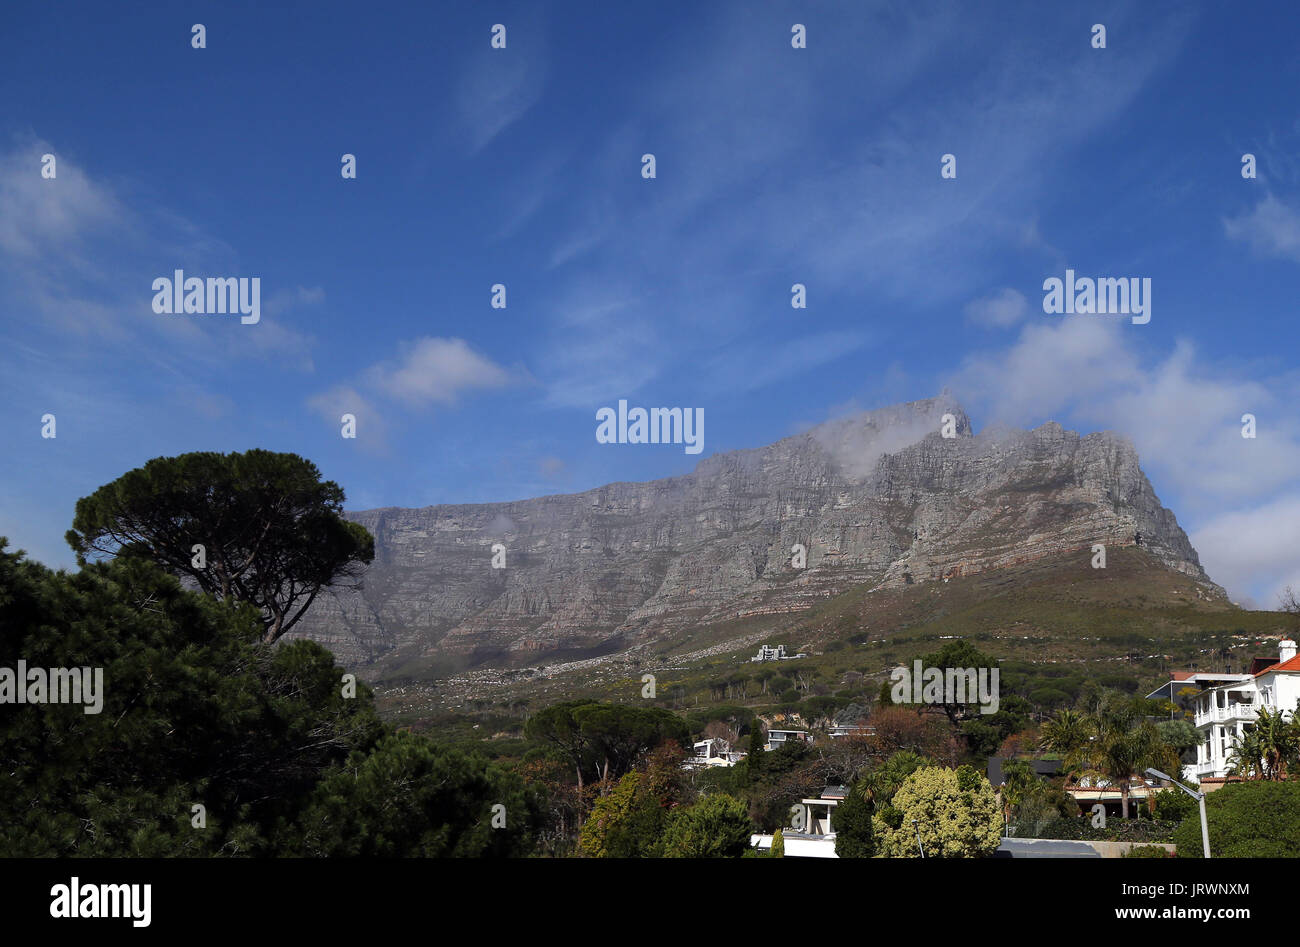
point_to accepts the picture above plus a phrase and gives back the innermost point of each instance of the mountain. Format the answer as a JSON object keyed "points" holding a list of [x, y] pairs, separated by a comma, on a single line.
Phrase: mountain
{"points": [[879, 500]]}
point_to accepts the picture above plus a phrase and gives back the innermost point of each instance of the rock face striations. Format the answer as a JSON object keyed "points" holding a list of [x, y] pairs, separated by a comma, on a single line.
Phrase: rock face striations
{"points": [[879, 498]]}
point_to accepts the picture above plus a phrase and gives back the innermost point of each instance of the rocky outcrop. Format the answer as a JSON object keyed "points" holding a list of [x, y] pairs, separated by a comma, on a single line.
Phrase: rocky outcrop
{"points": [[880, 498]]}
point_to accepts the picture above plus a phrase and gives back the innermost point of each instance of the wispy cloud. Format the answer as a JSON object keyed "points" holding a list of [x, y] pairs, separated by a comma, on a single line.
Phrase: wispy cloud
{"points": [[747, 366], [1001, 310], [437, 371], [1183, 415], [750, 185], [1271, 228], [83, 259], [372, 424], [429, 371], [1254, 552], [499, 86]]}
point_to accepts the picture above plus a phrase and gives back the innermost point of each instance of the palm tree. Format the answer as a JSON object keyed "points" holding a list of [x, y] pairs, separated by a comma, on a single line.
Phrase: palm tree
{"points": [[1019, 784], [1113, 744], [1266, 751], [1066, 733]]}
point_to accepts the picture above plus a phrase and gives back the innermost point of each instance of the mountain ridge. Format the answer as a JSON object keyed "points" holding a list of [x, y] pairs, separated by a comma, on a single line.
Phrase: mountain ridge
{"points": [[880, 498]]}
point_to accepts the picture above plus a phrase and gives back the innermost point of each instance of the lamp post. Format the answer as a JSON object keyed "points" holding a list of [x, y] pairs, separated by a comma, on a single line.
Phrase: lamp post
{"points": [[1200, 801]]}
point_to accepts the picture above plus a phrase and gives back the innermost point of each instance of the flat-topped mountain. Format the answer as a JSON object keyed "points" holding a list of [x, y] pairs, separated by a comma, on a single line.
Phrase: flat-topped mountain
{"points": [[878, 499]]}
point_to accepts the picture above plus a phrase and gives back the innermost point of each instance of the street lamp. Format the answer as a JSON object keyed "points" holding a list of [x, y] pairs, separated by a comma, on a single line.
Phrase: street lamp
{"points": [[1200, 801]]}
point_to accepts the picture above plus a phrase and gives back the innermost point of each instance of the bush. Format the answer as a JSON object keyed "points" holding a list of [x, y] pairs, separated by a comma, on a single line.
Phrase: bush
{"points": [[1246, 820], [1174, 805], [1116, 830], [409, 798], [715, 827], [953, 818]]}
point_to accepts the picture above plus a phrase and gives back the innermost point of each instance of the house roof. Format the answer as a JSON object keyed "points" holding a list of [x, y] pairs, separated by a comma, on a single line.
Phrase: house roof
{"points": [[1039, 767], [1290, 667]]}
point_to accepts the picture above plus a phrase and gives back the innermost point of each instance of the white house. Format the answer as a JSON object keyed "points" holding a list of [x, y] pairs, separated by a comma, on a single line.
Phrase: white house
{"points": [[1223, 714], [769, 653], [779, 738], [850, 730], [811, 835], [714, 751]]}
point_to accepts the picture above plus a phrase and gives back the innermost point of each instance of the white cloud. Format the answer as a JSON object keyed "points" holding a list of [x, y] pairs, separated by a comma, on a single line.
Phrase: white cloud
{"points": [[1001, 310], [739, 191], [371, 425], [435, 370], [1184, 417], [1254, 549], [1271, 229], [39, 215], [428, 371], [83, 260], [499, 86]]}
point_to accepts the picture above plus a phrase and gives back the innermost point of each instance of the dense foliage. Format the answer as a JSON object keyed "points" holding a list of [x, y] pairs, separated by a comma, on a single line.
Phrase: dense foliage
{"points": [[258, 527], [1259, 819], [195, 712], [944, 814]]}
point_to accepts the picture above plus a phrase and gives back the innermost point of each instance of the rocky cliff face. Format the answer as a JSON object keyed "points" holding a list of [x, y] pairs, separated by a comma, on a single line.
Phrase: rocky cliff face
{"points": [[880, 498]]}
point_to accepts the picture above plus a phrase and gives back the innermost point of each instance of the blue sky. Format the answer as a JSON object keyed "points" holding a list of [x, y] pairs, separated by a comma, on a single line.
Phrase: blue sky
{"points": [[522, 166]]}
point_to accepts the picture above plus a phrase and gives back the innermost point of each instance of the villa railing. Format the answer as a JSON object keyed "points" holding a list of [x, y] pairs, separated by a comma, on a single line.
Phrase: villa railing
{"points": [[1224, 714]]}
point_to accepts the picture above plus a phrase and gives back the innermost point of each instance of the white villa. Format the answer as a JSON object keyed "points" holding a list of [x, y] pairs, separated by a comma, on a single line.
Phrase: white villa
{"points": [[779, 738], [712, 752], [1225, 710], [769, 653], [811, 835]]}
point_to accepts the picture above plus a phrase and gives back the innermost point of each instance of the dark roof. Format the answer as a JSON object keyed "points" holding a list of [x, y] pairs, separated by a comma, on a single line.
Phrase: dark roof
{"points": [[1043, 768]]}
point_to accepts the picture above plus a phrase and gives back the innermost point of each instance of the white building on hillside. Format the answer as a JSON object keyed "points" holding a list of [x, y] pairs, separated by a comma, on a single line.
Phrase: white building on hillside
{"points": [[1224, 714], [769, 653], [714, 751], [779, 738], [811, 835]]}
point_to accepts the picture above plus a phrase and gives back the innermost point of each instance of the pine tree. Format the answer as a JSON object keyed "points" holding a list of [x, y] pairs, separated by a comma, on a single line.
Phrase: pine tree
{"points": [[852, 822]]}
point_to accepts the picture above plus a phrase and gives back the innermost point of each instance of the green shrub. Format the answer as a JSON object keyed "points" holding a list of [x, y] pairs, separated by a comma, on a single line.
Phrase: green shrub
{"points": [[1116, 830], [715, 827], [1174, 805], [1246, 820], [950, 819]]}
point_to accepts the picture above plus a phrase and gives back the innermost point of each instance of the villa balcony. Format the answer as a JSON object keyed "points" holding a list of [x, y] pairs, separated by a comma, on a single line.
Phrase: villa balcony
{"points": [[1232, 712]]}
